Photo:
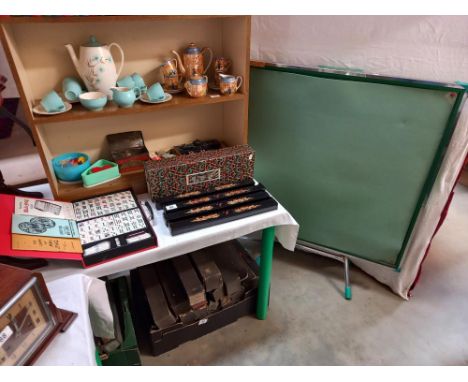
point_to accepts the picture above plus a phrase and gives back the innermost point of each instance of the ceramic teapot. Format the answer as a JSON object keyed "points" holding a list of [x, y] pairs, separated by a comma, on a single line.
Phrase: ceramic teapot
{"points": [[192, 63], [96, 66]]}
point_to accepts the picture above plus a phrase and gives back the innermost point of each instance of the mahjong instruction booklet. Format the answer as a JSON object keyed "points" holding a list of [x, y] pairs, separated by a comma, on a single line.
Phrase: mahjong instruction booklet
{"points": [[44, 208]]}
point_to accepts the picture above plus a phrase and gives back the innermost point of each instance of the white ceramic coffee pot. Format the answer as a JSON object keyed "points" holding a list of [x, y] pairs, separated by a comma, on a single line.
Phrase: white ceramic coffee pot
{"points": [[96, 66]]}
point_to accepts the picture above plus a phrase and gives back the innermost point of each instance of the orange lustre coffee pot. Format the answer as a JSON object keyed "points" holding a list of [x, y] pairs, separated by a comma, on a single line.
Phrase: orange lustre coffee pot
{"points": [[192, 63]]}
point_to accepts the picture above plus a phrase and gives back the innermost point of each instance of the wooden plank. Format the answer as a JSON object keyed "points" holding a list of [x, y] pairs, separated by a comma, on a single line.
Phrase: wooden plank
{"points": [[208, 270], [22, 85], [192, 284], [162, 315], [78, 112], [84, 18], [245, 132], [236, 45], [257, 64], [174, 291], [69, 192]]}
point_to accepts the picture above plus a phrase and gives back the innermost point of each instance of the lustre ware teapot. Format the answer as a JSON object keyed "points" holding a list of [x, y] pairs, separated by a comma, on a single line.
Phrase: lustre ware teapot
{"points": [[192, 63]]}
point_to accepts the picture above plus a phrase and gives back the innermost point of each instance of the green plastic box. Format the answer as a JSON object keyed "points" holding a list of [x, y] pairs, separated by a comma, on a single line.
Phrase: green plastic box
{"points": [[95, 179]]}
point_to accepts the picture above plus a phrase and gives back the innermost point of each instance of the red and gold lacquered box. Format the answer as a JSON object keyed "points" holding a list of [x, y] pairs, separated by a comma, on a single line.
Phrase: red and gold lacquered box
{"points": [[199, 171]]}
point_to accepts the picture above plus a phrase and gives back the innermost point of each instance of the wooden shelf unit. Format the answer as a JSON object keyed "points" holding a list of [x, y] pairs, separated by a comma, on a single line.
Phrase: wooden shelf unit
{"points": [[78, 112], [77, 191], [39, 61]]}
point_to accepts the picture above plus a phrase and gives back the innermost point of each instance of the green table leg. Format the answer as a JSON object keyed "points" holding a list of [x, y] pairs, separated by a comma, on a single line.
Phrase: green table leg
{"points": [[266, 260]]}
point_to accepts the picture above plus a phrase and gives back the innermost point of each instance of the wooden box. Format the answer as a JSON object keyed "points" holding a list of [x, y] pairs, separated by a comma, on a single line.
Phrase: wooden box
{"points": [[238, 298]]}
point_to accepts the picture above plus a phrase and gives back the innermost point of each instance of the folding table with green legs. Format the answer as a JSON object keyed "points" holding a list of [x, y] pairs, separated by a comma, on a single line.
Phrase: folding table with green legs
{"points": [[278, 224]]}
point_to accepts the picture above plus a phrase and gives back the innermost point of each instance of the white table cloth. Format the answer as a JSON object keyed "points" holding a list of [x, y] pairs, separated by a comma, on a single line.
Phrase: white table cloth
{"points": [[171, 246], [75, 346]]}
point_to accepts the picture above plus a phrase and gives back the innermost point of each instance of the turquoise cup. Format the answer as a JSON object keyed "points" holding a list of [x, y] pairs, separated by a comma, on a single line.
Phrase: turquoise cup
{"points": [[124, 96], [71, 89], [155, 92], [52, 102], [126, 82], [139, 82]]}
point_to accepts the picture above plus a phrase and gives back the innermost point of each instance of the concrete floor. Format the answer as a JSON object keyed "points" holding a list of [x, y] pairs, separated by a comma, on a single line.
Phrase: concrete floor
{"points": [[310, 323]]}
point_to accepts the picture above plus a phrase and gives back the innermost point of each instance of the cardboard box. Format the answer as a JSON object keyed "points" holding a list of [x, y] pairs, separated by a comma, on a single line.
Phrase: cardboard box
{"points": [[241, 303], [199, 171]]}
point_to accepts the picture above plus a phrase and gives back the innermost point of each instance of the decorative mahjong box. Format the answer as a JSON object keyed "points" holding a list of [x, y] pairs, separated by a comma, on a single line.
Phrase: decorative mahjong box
{"points": [[199, 171]]}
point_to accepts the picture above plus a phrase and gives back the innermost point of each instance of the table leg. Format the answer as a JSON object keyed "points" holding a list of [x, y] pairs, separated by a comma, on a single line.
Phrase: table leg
{"points": [[266, 260], [348, 293]]}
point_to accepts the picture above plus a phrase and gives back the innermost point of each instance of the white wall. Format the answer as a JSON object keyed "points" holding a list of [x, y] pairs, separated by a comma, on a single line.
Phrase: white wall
{"points": [[424, 47]]}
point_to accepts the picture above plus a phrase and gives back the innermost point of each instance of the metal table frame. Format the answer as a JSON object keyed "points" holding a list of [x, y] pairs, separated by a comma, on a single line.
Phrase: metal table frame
{"points": [[311, 248]]}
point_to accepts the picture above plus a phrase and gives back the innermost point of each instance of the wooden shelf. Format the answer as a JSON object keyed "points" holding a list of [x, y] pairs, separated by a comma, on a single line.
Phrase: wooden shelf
{"points": [[93, 18], [135, 180], [78, 112], [34, 47]]}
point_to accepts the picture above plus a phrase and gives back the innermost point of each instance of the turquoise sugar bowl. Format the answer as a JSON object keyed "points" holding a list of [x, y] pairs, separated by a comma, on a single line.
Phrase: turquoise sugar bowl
{"points": [[93, 101]]}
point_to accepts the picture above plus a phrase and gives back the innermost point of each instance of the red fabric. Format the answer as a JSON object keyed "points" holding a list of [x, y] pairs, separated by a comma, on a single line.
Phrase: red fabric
{"points": [[441, 220], [443, 215]]}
